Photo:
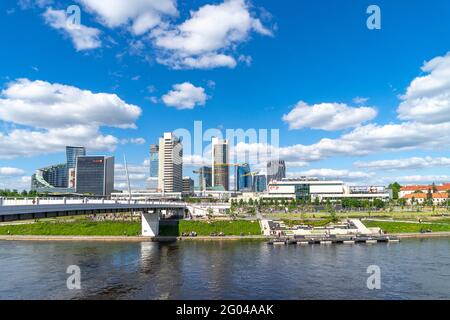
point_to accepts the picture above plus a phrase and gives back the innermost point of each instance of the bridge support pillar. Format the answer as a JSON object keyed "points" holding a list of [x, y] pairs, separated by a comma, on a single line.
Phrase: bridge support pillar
{"points": [[150, 224]]}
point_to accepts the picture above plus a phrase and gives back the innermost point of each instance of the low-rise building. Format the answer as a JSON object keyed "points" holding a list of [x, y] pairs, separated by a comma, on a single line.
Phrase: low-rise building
{"points": [[438, 198], [310, 189], [406, 190]]}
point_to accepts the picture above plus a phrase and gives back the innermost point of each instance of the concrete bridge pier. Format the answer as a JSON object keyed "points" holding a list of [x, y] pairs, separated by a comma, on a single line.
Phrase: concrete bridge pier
{"points": [[150, 223]]}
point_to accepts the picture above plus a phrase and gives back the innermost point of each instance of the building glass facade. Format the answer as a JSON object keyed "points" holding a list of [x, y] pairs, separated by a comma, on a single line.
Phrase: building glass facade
{"points": [[276, 170], [72, 153], [95, 175], [220, 165], [205, 178], [244, 178], [259, 183], [154, 166]]}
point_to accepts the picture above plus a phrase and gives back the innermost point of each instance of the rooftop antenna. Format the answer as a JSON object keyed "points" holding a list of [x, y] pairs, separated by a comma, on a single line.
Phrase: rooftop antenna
{"points": [[128, 177]]}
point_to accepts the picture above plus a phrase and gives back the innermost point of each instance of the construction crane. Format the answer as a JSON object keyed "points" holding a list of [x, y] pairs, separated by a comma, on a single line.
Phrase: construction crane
{"points": [[254, 173]]}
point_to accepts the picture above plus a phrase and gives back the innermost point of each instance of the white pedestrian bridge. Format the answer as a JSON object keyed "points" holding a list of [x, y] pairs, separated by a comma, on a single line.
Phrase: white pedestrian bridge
{"points": [[36, 208]]}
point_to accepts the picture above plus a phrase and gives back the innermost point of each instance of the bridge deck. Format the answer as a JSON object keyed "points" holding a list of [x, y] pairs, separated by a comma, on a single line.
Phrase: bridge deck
{"points": [[11, 208]]}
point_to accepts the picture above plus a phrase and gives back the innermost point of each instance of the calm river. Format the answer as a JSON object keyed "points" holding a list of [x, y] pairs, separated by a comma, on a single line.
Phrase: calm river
{"points": [[412, 269]]}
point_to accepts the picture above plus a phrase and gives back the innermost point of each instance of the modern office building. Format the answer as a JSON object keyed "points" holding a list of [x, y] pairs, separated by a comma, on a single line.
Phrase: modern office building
{"points": [[276, 170], [205, 178], [310, 189], [220, 164], [188, 185], [259, 183], [154, 167], [243, 178], [49, 177], [170, 170], [95, 175], [72, 153]]}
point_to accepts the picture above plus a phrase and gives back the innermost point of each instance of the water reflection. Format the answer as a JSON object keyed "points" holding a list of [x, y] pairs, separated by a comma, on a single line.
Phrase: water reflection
{"points": [[413, 269]]}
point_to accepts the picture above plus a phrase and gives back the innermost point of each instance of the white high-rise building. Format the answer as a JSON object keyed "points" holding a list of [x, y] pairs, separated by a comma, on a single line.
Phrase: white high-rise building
{"points": [[170, 171], [220, 163]]}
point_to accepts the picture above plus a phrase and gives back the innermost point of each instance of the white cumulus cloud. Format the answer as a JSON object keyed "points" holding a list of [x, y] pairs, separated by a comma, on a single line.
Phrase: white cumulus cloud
{"points": [[9, 171], [208, 38], [83, 37], [45, 117], [185, 96], [427, 98], [408, 163], [139, 15], [327, 116]]}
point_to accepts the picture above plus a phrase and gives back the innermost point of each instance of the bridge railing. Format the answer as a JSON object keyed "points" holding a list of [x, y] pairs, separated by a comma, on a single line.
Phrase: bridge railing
{"points": [[87, 201]]}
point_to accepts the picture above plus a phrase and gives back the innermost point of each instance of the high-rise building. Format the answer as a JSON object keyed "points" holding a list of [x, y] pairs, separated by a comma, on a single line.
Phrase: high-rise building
{"points": [[259, 183], [276, 170], [72, 153], [205, 178], [188, 185], [95, 175], [50, 177], [243, 178], [154, 166], [220, 165], [170, 171]]}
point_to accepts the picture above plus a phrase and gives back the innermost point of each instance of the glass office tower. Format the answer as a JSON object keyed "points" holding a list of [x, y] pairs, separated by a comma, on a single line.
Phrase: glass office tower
{"points": [[154, 164], [244, 178], [95, 175], [259, 183], [276, 170], [72, 153]]}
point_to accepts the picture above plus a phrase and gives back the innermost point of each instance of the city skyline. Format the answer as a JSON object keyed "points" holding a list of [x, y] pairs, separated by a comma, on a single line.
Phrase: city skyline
{"points": [[360, 105]]}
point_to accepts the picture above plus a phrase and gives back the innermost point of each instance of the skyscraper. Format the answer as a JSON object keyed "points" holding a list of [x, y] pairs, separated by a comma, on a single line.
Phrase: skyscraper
{"points": [[244, 178], [259, 183], [154, 166], [220, 165], [188, 186], [170, 171], [95, 175], [276, 170], [71, 155], [205, 178]]}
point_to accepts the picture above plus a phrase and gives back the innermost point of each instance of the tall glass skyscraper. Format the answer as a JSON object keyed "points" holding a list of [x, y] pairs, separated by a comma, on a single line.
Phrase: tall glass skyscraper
{"points": [[276, 170], [220, 165], [72, 153], [259, 183], [243, 179], [95, 175], [205, 178], [154, 164]]}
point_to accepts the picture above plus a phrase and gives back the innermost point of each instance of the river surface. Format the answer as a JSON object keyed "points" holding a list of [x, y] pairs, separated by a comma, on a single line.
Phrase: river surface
{"points": [[411, 269]]}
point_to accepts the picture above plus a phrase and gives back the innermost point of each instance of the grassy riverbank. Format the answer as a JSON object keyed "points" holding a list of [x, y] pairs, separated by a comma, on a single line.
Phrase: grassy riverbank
{"points": [[204, 228], [405, 227], [75, 228], [116, 228]]}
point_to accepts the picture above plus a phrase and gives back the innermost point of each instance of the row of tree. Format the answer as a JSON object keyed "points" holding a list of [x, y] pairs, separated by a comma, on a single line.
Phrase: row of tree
{"points": [[16, 193]]}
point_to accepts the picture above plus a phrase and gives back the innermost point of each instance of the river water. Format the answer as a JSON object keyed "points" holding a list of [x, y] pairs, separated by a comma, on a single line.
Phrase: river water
{"points": [[411, 269]]}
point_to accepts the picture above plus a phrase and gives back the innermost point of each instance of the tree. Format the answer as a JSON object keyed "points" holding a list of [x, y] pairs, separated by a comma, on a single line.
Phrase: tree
{"points": [[395, 187], [316, 201], [434, 188]]}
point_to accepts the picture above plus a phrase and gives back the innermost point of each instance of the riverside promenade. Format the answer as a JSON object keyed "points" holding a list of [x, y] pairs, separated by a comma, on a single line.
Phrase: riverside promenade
{"points": [[198, 238]]}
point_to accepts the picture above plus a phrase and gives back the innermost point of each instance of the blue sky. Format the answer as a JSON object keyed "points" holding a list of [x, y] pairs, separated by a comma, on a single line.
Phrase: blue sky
{"points": [[365, 106]]}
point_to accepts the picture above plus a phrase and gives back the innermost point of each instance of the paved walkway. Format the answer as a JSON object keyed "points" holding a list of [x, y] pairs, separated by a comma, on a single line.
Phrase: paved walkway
{"points": [[406, 221]]}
